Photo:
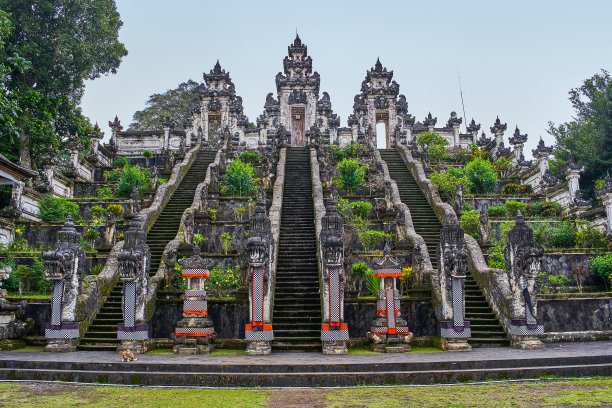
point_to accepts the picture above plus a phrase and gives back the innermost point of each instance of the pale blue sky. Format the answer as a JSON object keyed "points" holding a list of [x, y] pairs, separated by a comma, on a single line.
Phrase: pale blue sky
{"points": [[517, 60]]}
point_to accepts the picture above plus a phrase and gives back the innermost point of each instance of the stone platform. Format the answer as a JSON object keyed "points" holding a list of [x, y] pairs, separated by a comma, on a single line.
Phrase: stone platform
{"points": [[311, 369]]}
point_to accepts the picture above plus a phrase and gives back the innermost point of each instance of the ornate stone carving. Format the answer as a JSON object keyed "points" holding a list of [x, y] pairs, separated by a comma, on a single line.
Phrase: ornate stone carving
{"points": [[11, 327], [523, 261], [65, 267], [381, 102], [297, 96], [389, 331], [134, 263], [484, 230], [452, 270], [430, 121], [334, 332], [259, 331]]}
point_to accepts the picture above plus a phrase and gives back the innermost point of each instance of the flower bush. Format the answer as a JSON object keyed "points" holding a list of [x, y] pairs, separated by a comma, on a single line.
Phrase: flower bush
{"points": [[223, 280], [361, 208]]}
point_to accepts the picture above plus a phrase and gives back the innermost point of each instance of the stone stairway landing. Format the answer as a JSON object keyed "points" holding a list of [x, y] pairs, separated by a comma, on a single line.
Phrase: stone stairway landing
{"points": [[486, 329], [102, 333], [297, 303]]}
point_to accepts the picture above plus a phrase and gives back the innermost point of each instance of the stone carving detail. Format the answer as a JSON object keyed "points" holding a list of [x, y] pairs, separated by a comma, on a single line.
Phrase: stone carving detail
{"points": [[10, 327], [452, 270], [134, 263], [523, 261], [484, 230], [297, 96], [195, 332], [389, 331], [259, 332], [334, 332], [381, 102], [65, 267]]}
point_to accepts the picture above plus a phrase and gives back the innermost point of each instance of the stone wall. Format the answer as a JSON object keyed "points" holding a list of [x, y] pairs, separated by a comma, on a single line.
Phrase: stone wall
{"points": [[576, 312]]}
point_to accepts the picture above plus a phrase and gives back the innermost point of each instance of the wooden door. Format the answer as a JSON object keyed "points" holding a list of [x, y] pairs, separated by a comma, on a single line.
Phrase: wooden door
{"points": [[298, 124]]}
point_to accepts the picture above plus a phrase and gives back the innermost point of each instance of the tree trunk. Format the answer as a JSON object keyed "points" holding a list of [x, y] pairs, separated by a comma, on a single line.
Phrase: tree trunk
{"points": [[24, 147]]}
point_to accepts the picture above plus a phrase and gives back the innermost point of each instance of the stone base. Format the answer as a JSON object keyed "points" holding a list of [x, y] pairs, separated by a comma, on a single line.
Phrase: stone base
{"points": [[61, 345], [135, 346], [11, 344], [455, 345], [258, 348], [335, 347], [186, 350], [390, 347], [526, 342]]}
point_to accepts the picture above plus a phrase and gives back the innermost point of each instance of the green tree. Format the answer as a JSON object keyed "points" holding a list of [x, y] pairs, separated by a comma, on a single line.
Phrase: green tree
{"points": [[482, 175], [173, 103], [352, 175], [65, 42], [589, 136], [239, 178]]}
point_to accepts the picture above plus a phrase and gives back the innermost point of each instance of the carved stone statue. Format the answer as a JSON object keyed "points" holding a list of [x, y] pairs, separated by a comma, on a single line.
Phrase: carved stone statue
{"points": [[134, 202], [259, 332], [194, 333], [11, 329], [134, 263], [65, 267], [459, 200], [484, 230], [523, 262], [389, 331], [334, 332], [452, 270]]}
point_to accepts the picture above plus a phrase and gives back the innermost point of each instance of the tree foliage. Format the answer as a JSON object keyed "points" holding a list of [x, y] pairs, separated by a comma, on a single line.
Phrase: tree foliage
{"points": [[173, 103], [49, 49], [589, 136]]}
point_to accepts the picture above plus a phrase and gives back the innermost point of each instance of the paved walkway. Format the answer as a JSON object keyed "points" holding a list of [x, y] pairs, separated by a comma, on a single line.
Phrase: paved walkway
{"points": [[551, 350]]}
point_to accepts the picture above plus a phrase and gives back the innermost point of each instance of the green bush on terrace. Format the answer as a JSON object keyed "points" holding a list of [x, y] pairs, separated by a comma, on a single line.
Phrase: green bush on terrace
{"points": [[352, 175], [55, 209], [482, 176], [239, 178]]}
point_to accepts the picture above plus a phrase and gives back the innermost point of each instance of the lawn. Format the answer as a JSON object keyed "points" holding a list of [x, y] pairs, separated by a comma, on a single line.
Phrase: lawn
{"points": [[594, 392]]}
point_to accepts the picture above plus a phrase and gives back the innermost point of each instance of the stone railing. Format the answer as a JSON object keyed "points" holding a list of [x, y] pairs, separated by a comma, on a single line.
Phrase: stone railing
{"points": [[275, 218], [494, 282], [319, 205], [414, 239], [97, 288]]}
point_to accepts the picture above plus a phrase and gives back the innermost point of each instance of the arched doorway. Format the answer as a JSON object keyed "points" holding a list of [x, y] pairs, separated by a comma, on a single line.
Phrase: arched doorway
{"points": [[381, 135]]}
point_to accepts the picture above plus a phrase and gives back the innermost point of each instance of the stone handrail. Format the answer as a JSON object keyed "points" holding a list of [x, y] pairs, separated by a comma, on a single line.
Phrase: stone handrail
{"points": [[414, 239], [97, 288], [494, 282], [319, 207], [275, 218]]}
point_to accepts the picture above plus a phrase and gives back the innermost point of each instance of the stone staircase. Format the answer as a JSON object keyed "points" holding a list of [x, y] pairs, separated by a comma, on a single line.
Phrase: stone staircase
{"points": [[297, 303], [102, 333], [486, 329]]}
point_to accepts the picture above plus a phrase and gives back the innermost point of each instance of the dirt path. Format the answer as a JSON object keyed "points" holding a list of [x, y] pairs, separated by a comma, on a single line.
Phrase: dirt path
{"points": [[289, 398]]}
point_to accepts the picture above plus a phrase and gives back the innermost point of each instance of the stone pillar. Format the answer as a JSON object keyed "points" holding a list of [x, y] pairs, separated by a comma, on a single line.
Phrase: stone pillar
{"points": [[166, 125], [334, 332], [194, 333], [541, 153], [606, 197], [484, 230], [523, 261], [17, 194], [116, 127], [452, 270], [188, 132], [498, 130], [134, 263], [260, 247], [389, 331], [65, 267]]}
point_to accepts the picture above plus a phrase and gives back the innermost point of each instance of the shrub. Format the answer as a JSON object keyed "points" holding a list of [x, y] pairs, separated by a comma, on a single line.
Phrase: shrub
{"points": [[133, 176], [115, 209], [360, 270], [353, 150], [437, 153], [562, 235], [498, 211], [496, 252], [147, 154], [55, 209], [587, 236], [511, 188], [239, 178], [121, 162], [361, 208], [369, 238], [551, 209], [407, 276], [212, 213], [11, 284], [580, 274], [198, 239], [161, 181], [97, 210], [548, 283], [336, 153], [601, 267], [223, 279], [33, 278], [514, 207], [502, 166], [352, 175], [105, 193], [427, 139], [92, 234], [250, 158], [373, 283], [481, 175], [96, 269], [226, 241], [525, 189], [470, 221], [448, 182], [542, 232]]}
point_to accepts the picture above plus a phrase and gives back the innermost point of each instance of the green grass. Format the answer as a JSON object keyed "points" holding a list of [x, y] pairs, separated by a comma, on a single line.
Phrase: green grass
{"points": [[29, 296], [415, 349], [556, 393], [32, 348]]}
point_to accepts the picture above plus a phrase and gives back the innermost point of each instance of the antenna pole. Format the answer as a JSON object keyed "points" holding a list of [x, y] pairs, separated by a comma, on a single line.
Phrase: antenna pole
{"points": [[462, 104]]}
